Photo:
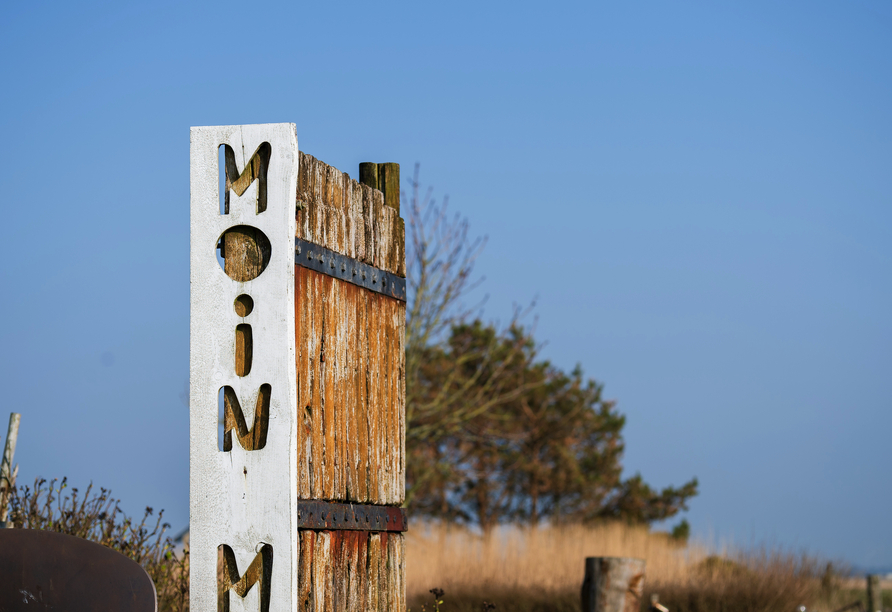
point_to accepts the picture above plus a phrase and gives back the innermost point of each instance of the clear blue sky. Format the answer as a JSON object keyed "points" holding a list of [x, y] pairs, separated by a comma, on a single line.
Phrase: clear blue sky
{"points": [[699, 194]]}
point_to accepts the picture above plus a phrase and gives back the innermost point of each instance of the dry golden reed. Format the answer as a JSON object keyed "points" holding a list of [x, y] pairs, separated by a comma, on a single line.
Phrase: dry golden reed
{"points": [[544, 558], [541, 569]]}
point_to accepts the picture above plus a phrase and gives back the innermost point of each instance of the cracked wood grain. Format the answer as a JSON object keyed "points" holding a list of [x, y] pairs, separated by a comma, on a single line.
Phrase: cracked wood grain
{"points": [[350, 365], [346, 216]]}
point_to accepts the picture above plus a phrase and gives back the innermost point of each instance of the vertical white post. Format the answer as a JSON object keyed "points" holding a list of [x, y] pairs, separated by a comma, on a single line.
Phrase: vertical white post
{"points": [[7, 475], [243, 499]]}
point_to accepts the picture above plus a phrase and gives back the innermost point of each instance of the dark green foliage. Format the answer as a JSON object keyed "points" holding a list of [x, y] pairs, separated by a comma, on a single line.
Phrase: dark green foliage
{"points": [[532, 442], [97, 517], [682, 531], [494, 433]]}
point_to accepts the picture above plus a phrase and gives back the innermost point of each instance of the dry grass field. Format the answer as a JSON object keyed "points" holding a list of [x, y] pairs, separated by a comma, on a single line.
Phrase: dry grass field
{"points": [[541, 570]]}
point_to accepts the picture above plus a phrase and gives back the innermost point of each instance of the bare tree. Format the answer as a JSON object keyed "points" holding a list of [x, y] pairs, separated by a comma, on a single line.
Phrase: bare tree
{"points": [[480, 376], [494, 432]]}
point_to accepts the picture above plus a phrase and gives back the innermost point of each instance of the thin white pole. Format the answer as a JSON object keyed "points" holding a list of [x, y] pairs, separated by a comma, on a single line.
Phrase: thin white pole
{"points": [[7, 479]]}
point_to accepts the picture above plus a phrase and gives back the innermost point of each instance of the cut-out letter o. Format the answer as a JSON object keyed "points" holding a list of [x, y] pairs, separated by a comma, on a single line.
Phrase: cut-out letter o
{"points": [[245, 251]]}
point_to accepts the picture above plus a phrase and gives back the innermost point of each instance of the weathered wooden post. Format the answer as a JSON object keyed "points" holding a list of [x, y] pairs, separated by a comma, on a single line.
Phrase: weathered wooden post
{"points": [[296, 506], [612, 584], [7, 473], [874, 594]]}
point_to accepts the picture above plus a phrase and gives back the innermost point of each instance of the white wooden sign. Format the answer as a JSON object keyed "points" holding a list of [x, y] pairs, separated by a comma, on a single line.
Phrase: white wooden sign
{"points": [[243, 501]]}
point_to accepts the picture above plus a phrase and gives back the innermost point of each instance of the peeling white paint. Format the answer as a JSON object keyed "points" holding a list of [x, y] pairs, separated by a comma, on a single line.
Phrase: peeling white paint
{"points": [[228, 506]]}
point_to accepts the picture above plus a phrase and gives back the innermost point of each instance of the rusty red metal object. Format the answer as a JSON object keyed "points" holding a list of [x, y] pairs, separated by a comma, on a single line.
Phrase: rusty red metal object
{"points": [[45, 570], [353, 517]]}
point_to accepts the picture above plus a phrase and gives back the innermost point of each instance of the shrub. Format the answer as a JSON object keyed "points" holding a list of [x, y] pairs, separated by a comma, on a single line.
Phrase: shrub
{"points": [[762, 582]]}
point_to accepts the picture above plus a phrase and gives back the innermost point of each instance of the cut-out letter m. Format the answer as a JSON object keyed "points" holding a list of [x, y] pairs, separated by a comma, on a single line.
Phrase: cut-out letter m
{"points": [[255, 170], [228, 579]]}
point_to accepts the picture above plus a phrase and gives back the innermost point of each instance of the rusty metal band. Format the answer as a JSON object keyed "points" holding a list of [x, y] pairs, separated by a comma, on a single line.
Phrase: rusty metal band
{"points": [[313, 514], [319, 259]]}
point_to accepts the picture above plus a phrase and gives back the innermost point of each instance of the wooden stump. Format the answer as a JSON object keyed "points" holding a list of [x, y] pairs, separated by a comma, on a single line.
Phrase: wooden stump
{"points": [[874, 594], [612, 584], [7, 473]]}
